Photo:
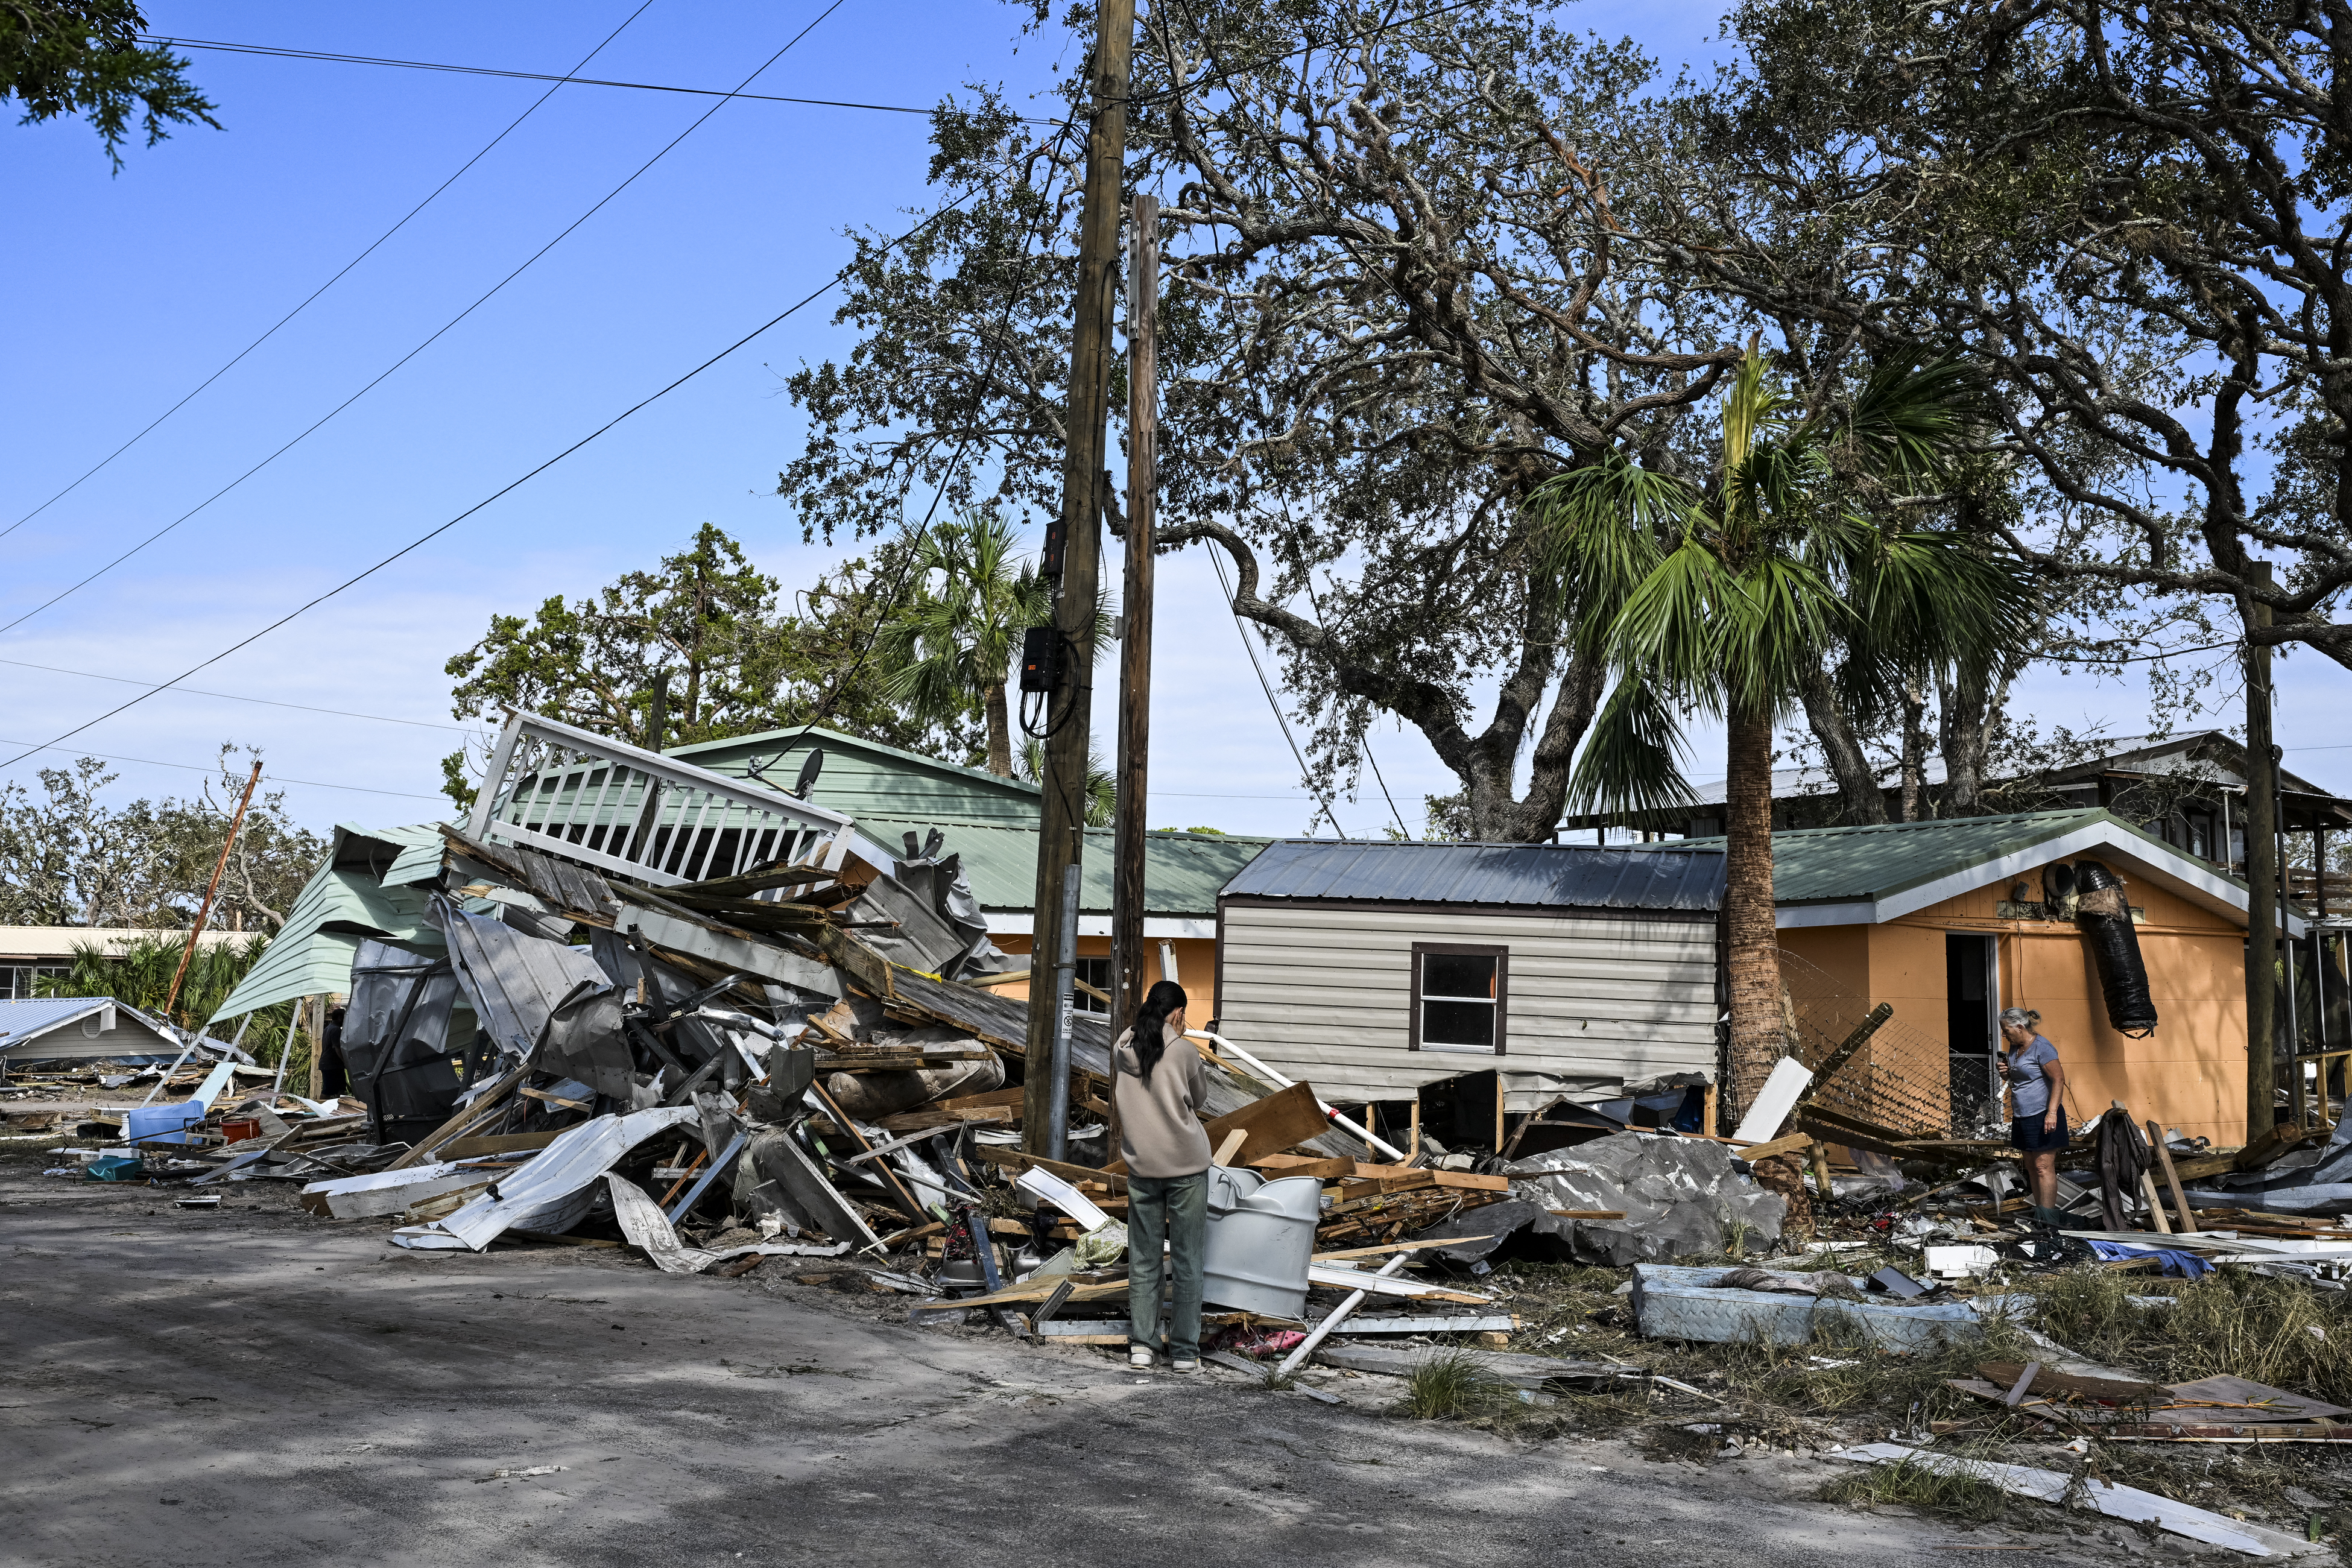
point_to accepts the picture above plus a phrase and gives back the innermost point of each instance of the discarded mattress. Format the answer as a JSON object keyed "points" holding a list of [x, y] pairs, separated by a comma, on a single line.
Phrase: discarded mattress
{"points": [[551, 1194], [1680, 1197], [1672, 1303]]}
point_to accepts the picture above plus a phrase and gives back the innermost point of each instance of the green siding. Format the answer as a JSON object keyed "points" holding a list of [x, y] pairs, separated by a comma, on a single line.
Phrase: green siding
{"points": [[1182, 872], [863, 777], [311, 953]]}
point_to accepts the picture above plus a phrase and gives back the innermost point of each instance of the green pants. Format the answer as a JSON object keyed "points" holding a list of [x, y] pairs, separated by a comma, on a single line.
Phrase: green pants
{"points": [[1173, 1209]]}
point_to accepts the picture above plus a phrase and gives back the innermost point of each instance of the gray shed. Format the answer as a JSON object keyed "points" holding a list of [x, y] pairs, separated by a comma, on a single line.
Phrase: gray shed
{"points": [[1371, 969]]}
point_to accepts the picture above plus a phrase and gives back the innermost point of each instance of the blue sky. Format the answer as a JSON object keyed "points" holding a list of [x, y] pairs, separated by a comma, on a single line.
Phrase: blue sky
{"points": [[131, 291]]}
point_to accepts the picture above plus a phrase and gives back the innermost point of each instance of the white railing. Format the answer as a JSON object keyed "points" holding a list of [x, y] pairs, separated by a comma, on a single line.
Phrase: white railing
{"points": [[620, 808]]}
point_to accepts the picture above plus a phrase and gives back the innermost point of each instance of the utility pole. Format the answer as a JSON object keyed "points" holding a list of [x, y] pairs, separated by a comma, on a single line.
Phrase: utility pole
{"points": [[1072, 561], [204, 909], [1128, 980], [2262, 875]]}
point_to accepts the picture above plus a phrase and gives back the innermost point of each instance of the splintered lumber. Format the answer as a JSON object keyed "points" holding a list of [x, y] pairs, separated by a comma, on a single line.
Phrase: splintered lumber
{"points": [[491, 1102], [1031, 1289], [1397, 1247], [498, 1143], [1013, 1159], [752, 882], [1383, 1284], [1277, 1166], [1273, 1123], [1789, 1145]]}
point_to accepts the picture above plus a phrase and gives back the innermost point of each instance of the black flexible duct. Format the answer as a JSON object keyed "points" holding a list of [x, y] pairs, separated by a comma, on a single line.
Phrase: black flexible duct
{"points": [[2104, 916]]}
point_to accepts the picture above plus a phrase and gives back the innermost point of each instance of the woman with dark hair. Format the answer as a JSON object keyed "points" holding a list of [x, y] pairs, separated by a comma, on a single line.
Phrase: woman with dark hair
{"points": [[2037, 1089], [1157, 1083]]}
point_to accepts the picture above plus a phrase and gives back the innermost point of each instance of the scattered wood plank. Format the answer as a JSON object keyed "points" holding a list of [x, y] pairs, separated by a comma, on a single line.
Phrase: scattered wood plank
{"points": [[498, 1143], [1275, 1122]]}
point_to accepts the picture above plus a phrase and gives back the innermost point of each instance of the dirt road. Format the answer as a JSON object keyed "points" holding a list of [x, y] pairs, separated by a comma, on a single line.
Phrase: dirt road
{"points": [[252, 1385]]}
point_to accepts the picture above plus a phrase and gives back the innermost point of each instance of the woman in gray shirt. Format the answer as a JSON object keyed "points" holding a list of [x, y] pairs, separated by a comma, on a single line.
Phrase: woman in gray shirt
{"points": [[1158, 1083], [2037, 1084]]}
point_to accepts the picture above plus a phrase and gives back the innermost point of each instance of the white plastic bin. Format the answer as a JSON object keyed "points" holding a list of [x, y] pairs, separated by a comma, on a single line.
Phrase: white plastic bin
{"points": [[1261, 1234]]}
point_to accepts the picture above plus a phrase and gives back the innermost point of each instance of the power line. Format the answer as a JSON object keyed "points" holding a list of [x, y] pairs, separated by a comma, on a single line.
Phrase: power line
{"points": [[323, 287], [1267, 686], [273, 51], [348, 583], [232, 697], [195, 768], [420, 348]]}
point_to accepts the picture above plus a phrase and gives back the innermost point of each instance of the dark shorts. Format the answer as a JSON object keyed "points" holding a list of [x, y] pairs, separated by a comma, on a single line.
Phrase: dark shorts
{"points": [[2027, 1132]]}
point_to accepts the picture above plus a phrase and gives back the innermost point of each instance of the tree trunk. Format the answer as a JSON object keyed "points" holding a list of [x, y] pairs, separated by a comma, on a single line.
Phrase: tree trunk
{"points": [[1860, 800], [1915, 746], [1972, 701], [1000, 733], [1751, 938]]}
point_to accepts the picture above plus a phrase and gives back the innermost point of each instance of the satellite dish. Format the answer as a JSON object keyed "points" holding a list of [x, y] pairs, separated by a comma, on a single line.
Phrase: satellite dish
{"points": [[809, 770]]}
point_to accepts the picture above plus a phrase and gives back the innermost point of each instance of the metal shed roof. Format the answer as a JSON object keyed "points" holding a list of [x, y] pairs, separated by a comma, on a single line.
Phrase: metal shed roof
{"points": [[1539, 876], [1182, 871]]}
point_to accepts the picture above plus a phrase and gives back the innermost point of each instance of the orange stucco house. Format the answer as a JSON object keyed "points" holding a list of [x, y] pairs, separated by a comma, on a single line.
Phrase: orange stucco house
{"points": [[1946, 922]]}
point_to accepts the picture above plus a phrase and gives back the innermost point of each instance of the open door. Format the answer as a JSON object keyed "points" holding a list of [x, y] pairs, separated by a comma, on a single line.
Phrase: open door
{"points": [[1973, 1010]]}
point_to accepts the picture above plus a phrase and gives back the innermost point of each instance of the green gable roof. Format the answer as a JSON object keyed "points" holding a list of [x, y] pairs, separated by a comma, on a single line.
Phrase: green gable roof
{"points": [[1182, 871], [1894, 868], [864, 778]]}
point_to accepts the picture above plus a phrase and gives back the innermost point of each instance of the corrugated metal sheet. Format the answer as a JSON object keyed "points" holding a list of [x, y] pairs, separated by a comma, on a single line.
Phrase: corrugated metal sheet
{"points": [[1182, 871], [1534, 875]]}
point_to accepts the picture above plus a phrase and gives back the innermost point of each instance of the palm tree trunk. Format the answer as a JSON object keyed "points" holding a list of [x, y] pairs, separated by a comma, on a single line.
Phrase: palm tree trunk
{"points": [[1000, 733], [1750, 938]]}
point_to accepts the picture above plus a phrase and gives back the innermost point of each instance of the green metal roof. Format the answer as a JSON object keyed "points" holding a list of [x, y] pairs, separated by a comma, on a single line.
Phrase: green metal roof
{"points": [[863, 777], [345, 903], [1836, 865], [1182, 871]]}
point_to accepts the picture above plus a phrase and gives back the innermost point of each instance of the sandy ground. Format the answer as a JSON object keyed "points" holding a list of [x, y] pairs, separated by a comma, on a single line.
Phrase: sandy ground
{"points": [[253, 1385]]}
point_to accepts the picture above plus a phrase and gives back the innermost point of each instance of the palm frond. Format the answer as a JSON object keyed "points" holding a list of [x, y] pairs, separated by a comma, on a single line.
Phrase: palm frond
{"points": [[1907, 415], [1671, 624], [1631, 761], [1603, 528]]}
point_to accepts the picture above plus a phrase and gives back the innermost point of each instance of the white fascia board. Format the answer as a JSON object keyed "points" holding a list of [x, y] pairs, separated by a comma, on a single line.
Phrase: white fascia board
{"points": [[1858, 912], [1156, 928], [2167, 868]]}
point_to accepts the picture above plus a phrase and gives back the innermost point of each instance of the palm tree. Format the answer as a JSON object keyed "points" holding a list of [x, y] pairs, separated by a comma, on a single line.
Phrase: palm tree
{"points": [[1718, 597], [1102, 790], [948, 651]]}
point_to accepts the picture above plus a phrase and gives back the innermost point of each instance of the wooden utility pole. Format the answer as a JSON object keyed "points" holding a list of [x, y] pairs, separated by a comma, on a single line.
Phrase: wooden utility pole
{"points": [[2262, 877], [1128, 972], [1072, 561], [204, 909]]}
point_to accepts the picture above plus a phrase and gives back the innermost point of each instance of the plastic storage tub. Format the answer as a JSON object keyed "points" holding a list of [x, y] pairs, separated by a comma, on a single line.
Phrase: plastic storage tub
{"points": [[1261, 1236]]}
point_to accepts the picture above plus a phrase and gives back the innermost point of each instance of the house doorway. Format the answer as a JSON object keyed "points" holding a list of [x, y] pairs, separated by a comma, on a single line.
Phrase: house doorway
{"points": [[1973, 1004]]}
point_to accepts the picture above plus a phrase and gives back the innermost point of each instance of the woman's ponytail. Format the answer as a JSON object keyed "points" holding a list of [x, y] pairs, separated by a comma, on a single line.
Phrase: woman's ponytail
{"points": [[1151, 1022]]}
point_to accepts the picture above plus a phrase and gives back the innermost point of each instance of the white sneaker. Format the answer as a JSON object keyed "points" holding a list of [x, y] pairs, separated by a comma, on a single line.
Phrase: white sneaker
{"points": [[1139, 1355], [1186, 1364]]}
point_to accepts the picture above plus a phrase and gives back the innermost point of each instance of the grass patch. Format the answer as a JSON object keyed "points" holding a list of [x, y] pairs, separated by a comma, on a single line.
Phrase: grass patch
{"points": [[1904, 1484], [1454, 1385], [2232, 1321]]}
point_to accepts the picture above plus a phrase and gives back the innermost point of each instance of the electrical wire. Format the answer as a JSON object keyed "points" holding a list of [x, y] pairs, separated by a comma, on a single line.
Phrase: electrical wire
{"points": [[197, 768], [428, 342], [1267, 686], [905, 569], [231, 697], [423, 539], [330, 283], [273, 51]]}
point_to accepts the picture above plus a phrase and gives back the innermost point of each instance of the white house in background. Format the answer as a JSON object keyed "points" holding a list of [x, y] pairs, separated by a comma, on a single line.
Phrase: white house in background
{"points": [[81, 1028], [27, 952]]}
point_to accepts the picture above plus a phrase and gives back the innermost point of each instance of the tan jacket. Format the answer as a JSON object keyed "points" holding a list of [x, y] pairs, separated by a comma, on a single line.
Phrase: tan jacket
{"points": [[1160, 1132]]}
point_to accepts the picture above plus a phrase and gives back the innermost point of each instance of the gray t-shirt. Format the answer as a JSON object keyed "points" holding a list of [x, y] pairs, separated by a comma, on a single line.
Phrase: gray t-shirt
{"points": [[2028, 1082]]}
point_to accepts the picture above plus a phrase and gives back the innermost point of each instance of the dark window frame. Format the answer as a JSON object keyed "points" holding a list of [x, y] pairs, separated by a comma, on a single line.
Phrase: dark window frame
{"points": [[1502, 957], [1080, 1001]]}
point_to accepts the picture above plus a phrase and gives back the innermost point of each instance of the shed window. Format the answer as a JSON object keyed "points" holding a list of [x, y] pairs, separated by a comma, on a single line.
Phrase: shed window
{"points": [[1460, 996], [1095, 971]]}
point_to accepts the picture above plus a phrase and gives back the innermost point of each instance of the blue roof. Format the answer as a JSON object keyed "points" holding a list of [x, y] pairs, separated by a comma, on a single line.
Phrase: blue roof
{"points": [[1534, 875]]}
